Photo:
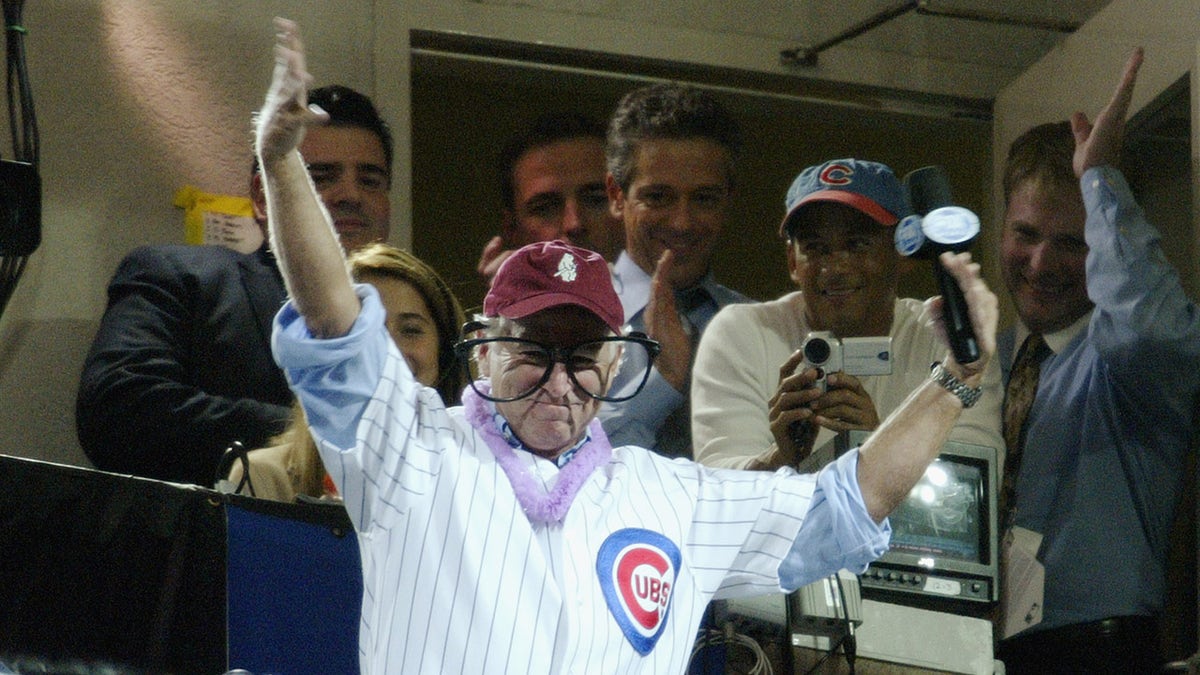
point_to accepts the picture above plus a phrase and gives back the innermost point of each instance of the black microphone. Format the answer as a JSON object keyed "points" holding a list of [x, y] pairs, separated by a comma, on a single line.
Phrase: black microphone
{"points": [[940, 226]]}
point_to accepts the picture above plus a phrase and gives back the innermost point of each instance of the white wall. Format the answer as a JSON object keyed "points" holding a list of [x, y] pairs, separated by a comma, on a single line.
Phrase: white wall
{"points": [[1087, 64], [650, 29], [134, 99]]}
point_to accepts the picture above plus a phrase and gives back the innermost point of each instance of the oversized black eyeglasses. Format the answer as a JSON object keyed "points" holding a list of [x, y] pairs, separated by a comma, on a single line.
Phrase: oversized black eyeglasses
{"points": [[582, 362]]}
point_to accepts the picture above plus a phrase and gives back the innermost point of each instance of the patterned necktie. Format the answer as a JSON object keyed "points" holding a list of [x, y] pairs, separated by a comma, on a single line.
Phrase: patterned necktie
{"points": [[1018, 399], [674, 438]]}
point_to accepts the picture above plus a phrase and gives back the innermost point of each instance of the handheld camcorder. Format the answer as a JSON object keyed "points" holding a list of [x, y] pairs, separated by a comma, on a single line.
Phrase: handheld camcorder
{"points": [[854, 356]]}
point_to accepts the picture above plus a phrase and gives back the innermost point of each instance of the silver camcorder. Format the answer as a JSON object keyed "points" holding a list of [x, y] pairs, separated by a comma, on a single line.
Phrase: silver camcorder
{"points": [[853, 356]]}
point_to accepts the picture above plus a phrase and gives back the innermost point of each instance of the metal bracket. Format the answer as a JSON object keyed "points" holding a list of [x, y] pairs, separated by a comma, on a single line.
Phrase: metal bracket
{"points": [[807, 55]]}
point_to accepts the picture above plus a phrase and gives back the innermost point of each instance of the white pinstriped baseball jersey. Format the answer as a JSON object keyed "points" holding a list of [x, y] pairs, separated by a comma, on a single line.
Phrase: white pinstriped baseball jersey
{"points": [[457, 579]]}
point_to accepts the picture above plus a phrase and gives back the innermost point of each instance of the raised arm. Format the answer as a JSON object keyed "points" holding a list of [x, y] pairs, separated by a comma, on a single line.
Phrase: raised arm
{"points": [[302, 234], [895, 457], [1099, 144], [1145, 323]]}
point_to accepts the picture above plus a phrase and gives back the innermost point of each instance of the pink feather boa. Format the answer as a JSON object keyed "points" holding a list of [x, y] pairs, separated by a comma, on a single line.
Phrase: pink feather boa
{"points": [[540, 506]]}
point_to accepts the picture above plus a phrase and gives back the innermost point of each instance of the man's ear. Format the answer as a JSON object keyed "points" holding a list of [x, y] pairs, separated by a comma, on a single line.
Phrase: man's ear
{"points": [[258, 197], [616, 197], [258, 202], [793, 261], [481, 360]]}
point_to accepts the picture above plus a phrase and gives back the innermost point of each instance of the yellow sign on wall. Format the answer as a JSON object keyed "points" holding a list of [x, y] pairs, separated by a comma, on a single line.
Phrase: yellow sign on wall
{"points": [[222, 220]]}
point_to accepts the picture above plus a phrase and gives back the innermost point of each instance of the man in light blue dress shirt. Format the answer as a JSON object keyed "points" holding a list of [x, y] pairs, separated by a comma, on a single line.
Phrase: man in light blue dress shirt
{"points": [[1102, 465], [671, 150]]}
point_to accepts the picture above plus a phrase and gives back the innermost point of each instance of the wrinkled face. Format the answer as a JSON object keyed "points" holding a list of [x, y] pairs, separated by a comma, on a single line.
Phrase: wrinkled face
{"points": [[558, 193], [1043, 255], [350, 172], [677, 199], [410, 324], [846, 265], [555, 417]]}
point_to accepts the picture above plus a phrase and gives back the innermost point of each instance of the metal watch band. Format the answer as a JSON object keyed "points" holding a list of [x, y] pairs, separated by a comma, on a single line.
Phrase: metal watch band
{"points": [[968, 395]]}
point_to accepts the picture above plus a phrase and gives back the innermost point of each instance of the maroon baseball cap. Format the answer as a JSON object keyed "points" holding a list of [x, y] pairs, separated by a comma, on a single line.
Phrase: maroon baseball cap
{"points": [[548, 274]]}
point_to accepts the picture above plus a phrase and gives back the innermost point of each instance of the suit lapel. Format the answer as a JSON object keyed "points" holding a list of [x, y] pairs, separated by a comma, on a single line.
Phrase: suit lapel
{"points": [[264, 288]]}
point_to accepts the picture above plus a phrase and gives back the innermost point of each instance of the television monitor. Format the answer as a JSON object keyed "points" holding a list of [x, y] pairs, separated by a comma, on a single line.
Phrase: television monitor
{"points": [[944, 553]]}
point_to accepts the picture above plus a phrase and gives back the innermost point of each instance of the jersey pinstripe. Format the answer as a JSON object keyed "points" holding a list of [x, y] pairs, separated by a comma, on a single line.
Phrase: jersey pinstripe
{"points": [[457, 579]]}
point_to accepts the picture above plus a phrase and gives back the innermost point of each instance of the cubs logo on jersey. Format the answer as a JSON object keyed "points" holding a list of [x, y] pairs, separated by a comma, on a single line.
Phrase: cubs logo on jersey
{"points": [[637, 570]]}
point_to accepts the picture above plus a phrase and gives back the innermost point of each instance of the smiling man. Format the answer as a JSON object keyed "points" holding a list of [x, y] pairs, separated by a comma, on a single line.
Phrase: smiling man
{"points": [[1100, 451], [753, 404], [671, 150]]}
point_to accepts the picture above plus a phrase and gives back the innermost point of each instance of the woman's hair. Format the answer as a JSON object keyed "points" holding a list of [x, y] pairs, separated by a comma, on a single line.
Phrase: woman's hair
{"points": [[304, 466], [448, 317], [303, 461]]}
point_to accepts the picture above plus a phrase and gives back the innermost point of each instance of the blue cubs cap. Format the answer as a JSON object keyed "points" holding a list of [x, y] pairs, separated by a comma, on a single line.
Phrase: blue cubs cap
{"points": [[870, 187]]}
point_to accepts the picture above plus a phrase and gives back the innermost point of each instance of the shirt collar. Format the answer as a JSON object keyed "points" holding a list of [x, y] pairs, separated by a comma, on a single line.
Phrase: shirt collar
{"points": [[1058, 340], [509, 437], [633, 285]]}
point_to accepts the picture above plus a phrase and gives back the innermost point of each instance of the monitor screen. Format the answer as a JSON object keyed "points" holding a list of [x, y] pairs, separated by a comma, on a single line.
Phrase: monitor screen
{"points": [[944, 548], [941, 516]]}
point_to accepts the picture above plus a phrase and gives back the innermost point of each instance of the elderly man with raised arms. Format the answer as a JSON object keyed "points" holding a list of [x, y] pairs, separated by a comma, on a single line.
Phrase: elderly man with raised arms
{"points": [[508, 535]]}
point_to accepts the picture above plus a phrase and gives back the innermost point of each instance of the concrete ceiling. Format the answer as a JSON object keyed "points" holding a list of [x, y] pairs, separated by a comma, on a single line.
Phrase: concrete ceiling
{"points": [[966, 49]]}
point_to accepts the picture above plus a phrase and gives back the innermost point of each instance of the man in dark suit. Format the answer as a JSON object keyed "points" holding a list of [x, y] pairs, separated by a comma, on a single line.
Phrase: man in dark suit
{"points": [[181, 366]]}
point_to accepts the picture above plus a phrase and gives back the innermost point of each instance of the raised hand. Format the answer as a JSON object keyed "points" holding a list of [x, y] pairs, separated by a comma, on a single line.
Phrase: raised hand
{"points": [[664, 325], [285, 114], [493, 255], [984, 312], [789, 414], [1099, 144], [302, 235]]}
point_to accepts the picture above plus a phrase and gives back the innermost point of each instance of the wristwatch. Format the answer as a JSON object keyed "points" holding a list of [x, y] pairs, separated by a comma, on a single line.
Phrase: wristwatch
{"points": [[968, 395]]}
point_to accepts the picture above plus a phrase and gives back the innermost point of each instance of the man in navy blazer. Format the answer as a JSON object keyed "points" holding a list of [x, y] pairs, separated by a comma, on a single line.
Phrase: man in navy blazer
{"points": [[181, 365]]}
